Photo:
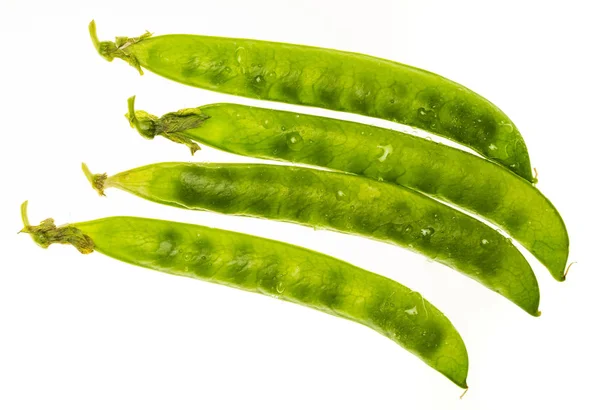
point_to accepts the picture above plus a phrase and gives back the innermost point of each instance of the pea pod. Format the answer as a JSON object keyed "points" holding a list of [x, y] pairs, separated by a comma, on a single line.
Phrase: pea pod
{"points": [[331, 79], [276, 269], [437, 170], [344, 203]]}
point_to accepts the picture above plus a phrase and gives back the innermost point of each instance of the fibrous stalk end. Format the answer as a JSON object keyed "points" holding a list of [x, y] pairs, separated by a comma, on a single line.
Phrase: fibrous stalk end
{"points": [[96, 180], [110, 50], [47, 233], [172, 126]]}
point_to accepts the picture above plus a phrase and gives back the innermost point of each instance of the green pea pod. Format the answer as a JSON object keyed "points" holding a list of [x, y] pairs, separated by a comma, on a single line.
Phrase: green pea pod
{"points": [[344, 203], [440, 171], [276, 269], [331, 79]]}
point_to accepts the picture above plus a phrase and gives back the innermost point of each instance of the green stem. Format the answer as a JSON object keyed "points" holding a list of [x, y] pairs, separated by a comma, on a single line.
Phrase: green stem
{"points": [[96, 180], [110, 50], [172, 126], [47, 233], [24, 216]]}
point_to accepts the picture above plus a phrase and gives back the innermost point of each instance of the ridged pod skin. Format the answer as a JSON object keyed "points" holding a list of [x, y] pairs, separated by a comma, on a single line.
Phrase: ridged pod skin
{"points": [[344, 203], [275, 269], [443, 172], [331, 79]]}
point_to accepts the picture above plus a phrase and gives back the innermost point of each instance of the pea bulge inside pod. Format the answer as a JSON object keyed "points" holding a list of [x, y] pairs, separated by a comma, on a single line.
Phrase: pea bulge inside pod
{"points": [[331, 79]]}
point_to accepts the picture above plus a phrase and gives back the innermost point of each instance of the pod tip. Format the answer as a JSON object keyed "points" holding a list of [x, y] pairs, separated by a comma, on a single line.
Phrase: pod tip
{"points": [[47, 233]]}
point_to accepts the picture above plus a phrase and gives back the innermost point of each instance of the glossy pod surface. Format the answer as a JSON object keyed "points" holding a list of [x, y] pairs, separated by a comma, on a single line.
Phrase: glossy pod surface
{"points": [[449, 174], [331, 79], [344, 203], [276, 269]]}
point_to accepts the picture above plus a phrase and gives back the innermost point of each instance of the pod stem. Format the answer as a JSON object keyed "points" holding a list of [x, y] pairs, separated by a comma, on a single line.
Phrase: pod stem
{"points": [[97, 181], [172, 126], [117, 49], [47, 233]]}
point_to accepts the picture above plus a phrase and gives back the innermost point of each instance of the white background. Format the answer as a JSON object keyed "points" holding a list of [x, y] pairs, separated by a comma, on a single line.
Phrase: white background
{"points": [[88, 332]]}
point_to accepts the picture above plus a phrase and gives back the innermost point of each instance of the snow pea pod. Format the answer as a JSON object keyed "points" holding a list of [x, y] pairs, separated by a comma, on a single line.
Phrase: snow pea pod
{"points": [[272, 268], [443, 172], [344, 203], [330, 79]]}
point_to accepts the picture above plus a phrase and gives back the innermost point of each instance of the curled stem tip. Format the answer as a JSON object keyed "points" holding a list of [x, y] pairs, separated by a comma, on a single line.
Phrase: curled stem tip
{"points": [[96, 180], [567, 270], [94, 35], [172, 126], [110, 50], [47, 233], [24, 216]]}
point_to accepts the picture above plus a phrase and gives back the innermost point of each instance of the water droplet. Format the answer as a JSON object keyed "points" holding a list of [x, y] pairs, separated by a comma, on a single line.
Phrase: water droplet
{"points": [[422, 111], [427, 232], [408, 229], [492, 147], [240, 55], [283, 128], [340, 194], [507, 126], [387, 150], [392, 101], [165, 248], [268, 124], [294, 141], [362, 133], [280, 287], [259, 79], [484, 242], [187, 256], [412, 311], [186, 269], [297, 115]]}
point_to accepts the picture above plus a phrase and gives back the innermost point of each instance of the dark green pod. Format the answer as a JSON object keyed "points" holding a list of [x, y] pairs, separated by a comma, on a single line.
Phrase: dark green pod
{"points": [[276, 269], [344, 203], [443, 172], [331, 79]]}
